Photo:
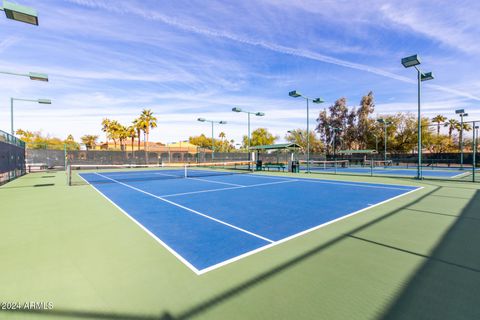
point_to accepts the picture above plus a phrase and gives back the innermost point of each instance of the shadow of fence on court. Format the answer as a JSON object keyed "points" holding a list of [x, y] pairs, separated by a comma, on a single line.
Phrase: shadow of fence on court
{"points": [[447, 285]]}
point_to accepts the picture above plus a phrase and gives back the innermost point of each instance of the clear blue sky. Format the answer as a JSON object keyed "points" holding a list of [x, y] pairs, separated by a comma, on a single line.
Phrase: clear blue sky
{"points": [[190, 59]]}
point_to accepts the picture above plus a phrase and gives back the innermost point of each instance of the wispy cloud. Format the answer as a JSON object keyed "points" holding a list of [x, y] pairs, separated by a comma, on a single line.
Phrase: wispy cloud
{"points": [[157, 16], [7, 42]]}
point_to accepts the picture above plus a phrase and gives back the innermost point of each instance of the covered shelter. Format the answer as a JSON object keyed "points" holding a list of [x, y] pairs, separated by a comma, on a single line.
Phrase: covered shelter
{"points": [[274, 156]]}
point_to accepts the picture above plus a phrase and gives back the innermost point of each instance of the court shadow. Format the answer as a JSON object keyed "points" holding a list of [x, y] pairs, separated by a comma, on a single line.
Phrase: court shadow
{"points": [[447, 285]]}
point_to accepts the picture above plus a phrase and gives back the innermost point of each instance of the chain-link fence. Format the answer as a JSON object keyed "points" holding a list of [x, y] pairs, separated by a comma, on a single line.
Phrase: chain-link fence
{"points": [[12, 157]]}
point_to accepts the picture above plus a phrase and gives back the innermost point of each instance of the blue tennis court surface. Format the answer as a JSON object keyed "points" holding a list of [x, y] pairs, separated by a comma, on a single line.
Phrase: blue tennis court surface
{"points": [[395, 171], [210, 221]]}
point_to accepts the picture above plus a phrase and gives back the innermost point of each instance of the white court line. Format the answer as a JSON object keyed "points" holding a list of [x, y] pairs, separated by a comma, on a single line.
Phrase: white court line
{"points": [[222, 189], [188, 209], [356, 184], [166, 246], [221, 264], [211, 181], [168, 175], [459, 175]]}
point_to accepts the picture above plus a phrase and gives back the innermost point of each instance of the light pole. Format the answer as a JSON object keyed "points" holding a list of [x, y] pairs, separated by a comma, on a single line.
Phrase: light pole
{"points": [[41, 101], [213, 140], [296, 94], [20, 13], [461, 113], [413, 61], [385, 124], [475, 146], [258, 114], [335, 130], [294, 133]]}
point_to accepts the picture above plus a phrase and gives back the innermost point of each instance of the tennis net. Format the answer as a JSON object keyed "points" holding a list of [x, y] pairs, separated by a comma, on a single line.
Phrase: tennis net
{"points": [[98, 174], [324, 164], [378, 163]]}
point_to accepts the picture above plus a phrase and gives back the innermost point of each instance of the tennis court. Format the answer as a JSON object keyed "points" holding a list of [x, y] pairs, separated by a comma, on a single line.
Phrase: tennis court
{"points": [[342, 166], [212, 218]]}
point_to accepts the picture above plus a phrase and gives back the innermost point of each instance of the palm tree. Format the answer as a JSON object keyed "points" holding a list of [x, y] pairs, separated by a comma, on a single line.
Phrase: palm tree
{"points": [[438, 120], [122, 134], [452, 125], [132, 134], [114, 131], [89, 140], [149, 122], [139, 126], [106, 128]]}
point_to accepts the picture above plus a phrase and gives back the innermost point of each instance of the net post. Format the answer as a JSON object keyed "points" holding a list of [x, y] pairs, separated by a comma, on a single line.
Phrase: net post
{"points": [[185, 171], [69, 175]]}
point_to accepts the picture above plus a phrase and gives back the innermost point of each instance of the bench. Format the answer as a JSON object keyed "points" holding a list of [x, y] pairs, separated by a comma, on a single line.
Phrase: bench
{"points": [[277, 166]]}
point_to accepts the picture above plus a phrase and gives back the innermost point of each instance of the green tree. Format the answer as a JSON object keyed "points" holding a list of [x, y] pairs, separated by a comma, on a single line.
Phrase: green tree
{"points": [[337, 117], [365, 123], [299, 136], [259, 137], [70, 143], [89, 140]]}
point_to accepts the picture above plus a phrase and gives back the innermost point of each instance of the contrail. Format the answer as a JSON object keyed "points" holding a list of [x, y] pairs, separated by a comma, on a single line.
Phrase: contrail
{"points": [[127, 9]]}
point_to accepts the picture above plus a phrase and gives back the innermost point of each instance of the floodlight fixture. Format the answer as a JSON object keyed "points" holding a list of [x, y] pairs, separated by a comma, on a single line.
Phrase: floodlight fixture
{"points": [[459, 111], [426, 76], [318, 100], [31, 75], [201, 119], [411, 61], [20, 13], [236, 109], [38, 76], [294, 94]]}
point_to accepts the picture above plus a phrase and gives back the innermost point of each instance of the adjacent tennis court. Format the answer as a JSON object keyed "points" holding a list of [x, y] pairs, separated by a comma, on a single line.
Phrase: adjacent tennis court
{"points": [[214, 217], [343, 166]]}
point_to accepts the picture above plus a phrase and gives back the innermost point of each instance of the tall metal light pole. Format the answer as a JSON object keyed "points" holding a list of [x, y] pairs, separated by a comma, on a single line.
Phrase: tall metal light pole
{"points": [[335, 130], [385, 124], [41, 101], [461, 113], [213, 139], [296, 94], [413, 61], [258, 114], [475, 146]]}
